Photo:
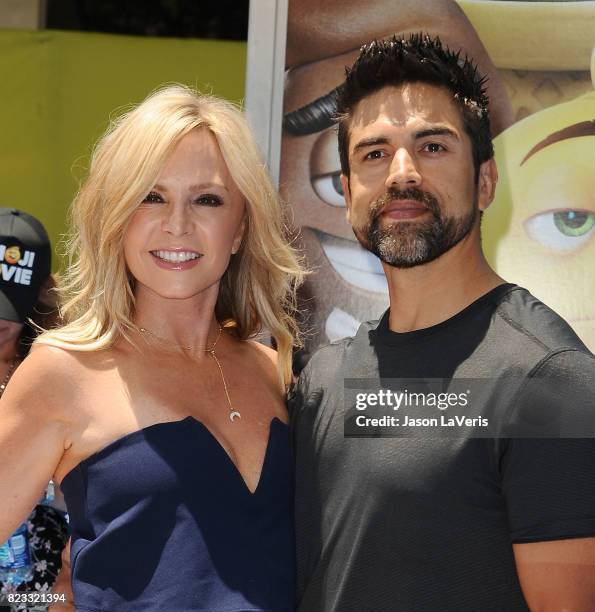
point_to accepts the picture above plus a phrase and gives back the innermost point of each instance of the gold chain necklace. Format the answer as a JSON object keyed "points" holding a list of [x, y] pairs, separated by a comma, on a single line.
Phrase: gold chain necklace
{"points": [[11, 368], [233, 414]]}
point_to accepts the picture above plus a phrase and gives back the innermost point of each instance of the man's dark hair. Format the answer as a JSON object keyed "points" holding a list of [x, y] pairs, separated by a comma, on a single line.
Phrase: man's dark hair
{"points": [[417, 59]]}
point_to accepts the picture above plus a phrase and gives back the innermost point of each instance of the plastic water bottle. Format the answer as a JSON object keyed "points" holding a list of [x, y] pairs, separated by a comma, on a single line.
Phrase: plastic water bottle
{"points": [[48, 495], [16, 565]]}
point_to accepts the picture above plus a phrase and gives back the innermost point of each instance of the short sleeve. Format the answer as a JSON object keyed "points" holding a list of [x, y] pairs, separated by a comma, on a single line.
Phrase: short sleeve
{"points": [[549, 482]]}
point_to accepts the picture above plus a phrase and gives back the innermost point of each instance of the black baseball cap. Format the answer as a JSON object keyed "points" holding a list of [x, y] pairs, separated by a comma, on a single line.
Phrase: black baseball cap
{"points": [[25, 263]]}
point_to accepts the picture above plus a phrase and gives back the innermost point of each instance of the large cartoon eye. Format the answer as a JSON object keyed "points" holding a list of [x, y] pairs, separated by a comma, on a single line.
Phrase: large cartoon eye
{"points": [[329, 189], [562, 230]]}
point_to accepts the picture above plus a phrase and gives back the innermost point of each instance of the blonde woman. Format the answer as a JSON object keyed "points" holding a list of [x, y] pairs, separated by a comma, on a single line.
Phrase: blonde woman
{"points": [[164, 423]]}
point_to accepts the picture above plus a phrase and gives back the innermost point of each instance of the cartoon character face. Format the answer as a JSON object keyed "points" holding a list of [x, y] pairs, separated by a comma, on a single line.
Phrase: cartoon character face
{"points": [[540, 230], [348, 285], [12, 255]]}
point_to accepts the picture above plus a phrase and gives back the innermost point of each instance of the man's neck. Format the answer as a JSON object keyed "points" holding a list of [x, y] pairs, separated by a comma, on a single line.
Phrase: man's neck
{"points": [[426, 295]]}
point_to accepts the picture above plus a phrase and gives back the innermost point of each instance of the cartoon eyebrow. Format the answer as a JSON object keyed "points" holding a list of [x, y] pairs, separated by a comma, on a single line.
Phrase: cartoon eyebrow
{"points": [[585, 128], [313, 117]]}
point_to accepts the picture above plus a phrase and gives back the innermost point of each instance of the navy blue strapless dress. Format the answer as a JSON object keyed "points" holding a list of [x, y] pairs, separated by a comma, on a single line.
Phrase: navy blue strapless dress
{"points": [[162, 521]]}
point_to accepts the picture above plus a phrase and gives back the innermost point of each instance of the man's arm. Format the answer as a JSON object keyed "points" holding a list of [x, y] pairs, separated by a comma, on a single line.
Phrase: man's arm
{"points": [[549, 485], [557, 576]]}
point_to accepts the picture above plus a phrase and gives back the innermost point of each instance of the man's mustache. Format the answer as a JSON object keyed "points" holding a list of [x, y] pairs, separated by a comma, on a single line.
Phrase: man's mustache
{"points": [[411, 193]]}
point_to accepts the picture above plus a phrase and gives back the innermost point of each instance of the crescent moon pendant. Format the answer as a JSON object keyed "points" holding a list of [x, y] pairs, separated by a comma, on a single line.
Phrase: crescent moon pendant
{"points": [[233, 415]]}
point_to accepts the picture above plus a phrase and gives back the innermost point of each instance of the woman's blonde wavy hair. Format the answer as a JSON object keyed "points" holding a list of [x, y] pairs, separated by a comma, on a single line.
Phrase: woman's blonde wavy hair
{"points": [[258, 290]]}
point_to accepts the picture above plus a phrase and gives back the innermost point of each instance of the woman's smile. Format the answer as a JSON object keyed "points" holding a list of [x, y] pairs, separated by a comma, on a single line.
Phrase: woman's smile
{"points": [[171, 259]]}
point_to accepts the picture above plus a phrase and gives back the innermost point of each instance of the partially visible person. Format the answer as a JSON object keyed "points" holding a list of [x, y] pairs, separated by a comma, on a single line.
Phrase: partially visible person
{"points": [[487, 505], [162, 418], [28, 302]]}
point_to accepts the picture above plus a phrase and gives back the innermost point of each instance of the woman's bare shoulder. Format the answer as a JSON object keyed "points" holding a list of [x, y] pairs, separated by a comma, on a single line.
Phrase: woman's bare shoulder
{"points": [[266, 352], [50, 378], [43, 364], [61, 364]]}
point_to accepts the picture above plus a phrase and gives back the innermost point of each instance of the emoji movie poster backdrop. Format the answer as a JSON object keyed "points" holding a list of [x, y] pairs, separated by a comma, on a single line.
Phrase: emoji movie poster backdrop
{"points": [[539, 231]]}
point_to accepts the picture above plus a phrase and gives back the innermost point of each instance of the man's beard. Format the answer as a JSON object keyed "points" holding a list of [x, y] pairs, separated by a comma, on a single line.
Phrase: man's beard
{"points": [[405, 244]]}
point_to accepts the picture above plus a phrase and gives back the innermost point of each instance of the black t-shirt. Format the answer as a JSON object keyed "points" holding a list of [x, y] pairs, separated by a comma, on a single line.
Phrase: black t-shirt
{"points": [[408, 524]]}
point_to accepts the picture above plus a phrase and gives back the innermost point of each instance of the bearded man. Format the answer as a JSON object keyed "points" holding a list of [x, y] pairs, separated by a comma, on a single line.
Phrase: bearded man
{"points": [[490, 505]]}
